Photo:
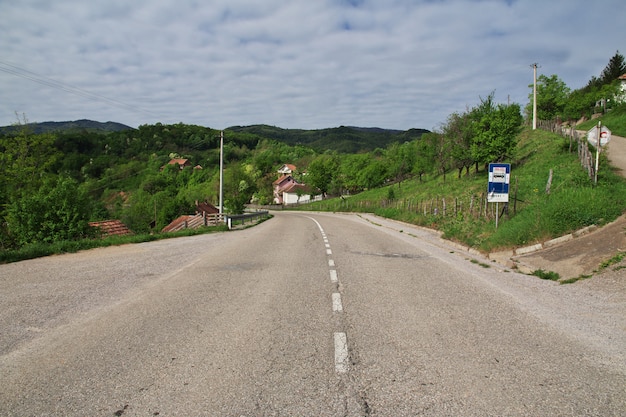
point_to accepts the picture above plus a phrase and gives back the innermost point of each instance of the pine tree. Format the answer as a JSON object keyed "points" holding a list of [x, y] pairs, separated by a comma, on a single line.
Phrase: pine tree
{"points": [[615, 68]]}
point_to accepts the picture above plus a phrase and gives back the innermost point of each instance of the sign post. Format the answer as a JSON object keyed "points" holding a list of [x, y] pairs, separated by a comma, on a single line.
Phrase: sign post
{"points": [[598, 136], [498, 188]]}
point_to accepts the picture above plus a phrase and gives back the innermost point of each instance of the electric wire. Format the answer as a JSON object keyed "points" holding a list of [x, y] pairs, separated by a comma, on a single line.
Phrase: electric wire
{"points": [[49, 82]]}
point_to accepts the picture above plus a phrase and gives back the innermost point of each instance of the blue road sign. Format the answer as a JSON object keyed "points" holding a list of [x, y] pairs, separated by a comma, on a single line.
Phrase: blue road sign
{"points": [[499, 178]]}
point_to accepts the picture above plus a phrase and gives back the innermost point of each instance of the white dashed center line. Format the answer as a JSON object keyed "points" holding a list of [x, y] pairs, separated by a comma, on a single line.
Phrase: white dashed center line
{"points": [[341, 353], [337, 306], [341, 341]]}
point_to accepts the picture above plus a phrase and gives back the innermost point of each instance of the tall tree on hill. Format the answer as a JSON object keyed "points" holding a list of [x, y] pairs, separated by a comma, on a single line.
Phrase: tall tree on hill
{"points": [[614, 69], [495, 131], [552, 96], [458, 131]]}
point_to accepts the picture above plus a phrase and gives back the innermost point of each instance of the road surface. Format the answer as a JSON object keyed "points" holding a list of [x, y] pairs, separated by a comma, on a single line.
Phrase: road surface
{"points": [[306, 314]]}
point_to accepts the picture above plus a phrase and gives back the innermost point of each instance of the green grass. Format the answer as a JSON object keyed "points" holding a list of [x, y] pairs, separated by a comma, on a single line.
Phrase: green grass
{"points": [[574, 201], [614, 260], [484, 265], [575, 279], [40, 249], [549, 275], [615, 120]]}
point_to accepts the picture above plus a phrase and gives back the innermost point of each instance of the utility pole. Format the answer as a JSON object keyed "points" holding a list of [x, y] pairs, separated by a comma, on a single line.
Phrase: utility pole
{"points": [[534, 96], [221, 207]]}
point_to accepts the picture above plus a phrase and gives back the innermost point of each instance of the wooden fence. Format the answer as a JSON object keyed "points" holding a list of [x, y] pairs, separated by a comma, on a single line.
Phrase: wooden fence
{"points": [[577, 140], [474, 205]]}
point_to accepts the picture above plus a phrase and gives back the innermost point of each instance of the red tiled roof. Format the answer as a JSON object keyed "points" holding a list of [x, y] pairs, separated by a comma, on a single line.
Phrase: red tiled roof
{"points": [[207, 208], [179, 161], [111, 228], [177, 224], [281, 179], [293, 188]]}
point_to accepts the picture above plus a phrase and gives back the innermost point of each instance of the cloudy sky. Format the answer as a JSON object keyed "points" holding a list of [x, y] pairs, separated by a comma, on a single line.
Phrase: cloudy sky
{"points": [[307, 64]]}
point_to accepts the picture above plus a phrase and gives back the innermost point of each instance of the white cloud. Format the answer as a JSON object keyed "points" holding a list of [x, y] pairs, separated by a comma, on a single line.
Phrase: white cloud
{"points": [[300, 64]]}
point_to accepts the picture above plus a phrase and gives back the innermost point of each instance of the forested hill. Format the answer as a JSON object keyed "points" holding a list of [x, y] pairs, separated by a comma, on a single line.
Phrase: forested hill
{"points": [[77, 125], [343, 139]]}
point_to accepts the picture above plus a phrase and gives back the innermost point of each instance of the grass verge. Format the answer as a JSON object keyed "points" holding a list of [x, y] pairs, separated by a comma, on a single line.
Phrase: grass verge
{"points": [[38, 250]]}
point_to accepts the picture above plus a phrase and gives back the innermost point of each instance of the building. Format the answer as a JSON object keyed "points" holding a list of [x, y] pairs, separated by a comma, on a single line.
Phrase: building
{"points": [[287, 190]]}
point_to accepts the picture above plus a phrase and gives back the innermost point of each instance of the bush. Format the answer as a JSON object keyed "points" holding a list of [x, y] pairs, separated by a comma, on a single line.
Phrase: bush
{"points": [[58, 211]]}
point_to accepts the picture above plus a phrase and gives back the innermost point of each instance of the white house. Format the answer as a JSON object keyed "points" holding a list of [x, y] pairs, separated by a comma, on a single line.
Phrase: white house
{"points": [[287, 169], [622, 79], [299, 194]]}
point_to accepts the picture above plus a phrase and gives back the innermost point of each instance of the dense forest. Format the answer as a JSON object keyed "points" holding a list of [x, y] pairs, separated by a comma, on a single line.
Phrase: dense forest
{"points": [[56, 178]]}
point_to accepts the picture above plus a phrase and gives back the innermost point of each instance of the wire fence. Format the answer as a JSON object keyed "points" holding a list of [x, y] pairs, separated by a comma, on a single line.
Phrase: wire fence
{"points": [[473, 205]]}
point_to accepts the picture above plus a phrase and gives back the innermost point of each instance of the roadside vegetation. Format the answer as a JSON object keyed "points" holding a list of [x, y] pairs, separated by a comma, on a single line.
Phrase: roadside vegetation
{"points": [[52, 184], [534, 215]]}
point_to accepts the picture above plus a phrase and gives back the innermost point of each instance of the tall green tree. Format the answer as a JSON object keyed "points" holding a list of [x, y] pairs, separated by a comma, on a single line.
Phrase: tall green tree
{"points": [[400, 160], [552, 96], [426, 154], [239, 187], [323, 171], [495, 130], [458, 132], [615, 68]]}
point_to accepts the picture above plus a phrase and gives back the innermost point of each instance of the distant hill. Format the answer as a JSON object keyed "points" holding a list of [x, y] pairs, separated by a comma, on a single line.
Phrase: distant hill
{"points": [[348, 139], [77, 125], [345, 139]]}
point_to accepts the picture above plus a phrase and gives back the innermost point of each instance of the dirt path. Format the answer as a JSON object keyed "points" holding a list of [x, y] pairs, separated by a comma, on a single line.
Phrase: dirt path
{"points": [[583, 255], [616, 152]]}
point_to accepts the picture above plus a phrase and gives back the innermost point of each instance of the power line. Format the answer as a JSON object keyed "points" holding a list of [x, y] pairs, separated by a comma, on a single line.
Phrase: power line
{"points": [[49, 82]]}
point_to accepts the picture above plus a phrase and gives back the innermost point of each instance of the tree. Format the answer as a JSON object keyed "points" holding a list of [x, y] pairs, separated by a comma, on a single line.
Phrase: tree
{"points": [[351, 167], [239, 188], [552, 96], [58, 211], [614, 69], [373, 175], [25, 158], [322, 172], [458, 132], [399, 160], [425, 150], [495, 130]]}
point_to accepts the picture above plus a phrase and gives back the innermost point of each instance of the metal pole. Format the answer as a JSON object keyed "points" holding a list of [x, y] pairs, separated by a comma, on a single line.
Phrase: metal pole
{"points": [[221, 207], [497, 214], [534, 96]]}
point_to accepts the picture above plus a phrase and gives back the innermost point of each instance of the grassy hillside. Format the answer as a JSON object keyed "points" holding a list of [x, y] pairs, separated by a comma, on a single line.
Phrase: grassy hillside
{"points": [[615, 120], [457, 205]]}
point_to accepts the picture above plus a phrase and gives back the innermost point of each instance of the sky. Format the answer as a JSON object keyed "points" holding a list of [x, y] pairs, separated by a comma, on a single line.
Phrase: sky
{"points": [[300, 64]]}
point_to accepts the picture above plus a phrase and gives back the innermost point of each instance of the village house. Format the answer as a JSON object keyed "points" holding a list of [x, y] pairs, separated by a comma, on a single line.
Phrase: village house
{"points": [[622, 79], [287, 190]]}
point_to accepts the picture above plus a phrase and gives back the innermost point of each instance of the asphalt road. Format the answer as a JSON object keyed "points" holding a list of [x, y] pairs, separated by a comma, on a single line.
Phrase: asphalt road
{"points": [[303, 315]]}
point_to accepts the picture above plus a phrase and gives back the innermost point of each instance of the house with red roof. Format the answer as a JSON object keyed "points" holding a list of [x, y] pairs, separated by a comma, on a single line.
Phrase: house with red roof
{"points": [[287, 190]]}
